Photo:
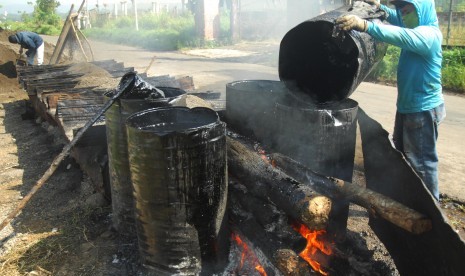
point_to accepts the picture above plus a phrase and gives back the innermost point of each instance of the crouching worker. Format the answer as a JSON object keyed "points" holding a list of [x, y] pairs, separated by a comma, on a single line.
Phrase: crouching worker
{"points": [[32, 42]]}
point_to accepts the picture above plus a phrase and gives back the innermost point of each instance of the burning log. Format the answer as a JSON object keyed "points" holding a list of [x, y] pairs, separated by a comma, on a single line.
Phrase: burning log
{"points": [[290, 264], [376, 203], [268, 217], [274, 250], [318, 248], [251, 259], [299, 201]]}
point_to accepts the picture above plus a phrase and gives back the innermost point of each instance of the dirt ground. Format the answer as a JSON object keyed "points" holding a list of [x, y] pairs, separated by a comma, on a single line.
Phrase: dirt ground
{"points": [[65, 228]]}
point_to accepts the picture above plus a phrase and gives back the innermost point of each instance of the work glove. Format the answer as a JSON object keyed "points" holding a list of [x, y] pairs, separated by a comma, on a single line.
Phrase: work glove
{"points": [[373, 3], [351, 22]]}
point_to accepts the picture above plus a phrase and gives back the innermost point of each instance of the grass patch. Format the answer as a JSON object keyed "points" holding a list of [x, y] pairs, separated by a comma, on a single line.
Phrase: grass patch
{"points": [[160, 32], [45, 252]]}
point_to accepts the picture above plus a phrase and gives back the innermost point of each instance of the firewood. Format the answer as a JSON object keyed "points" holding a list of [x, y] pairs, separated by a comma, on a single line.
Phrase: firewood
{"points": [[290, 264], [272, 220], [376, 203], [299, 201], [271, 248]]}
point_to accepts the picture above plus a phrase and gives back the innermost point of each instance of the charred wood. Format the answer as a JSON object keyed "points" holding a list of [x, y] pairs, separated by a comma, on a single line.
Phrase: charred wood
{"points": [[33, 70], [49, 76], [51, 81], [299, 201], [271, 247], [66, 84], [290, 264], [268, 217], [376, 203]]}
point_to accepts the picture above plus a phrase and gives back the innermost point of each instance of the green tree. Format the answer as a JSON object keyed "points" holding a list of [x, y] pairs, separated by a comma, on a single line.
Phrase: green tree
{"points": [[43, 20], [45, 12]]}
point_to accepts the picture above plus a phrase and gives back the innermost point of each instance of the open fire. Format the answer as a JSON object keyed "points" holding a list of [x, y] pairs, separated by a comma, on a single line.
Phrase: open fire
{"points": [[315, 246], [247, 255], [316, 252]]}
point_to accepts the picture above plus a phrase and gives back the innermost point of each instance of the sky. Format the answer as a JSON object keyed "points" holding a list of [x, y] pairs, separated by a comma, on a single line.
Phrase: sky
{"points": [[13, 6]]}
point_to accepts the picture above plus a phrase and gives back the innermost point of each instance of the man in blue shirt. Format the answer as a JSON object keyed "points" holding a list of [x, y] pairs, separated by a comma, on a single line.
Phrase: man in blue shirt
{"points": [[420, 103], [32, 42]]}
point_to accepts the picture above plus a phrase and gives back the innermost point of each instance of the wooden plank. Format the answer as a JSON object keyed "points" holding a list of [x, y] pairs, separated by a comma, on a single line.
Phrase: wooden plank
{"points": [[62, 38]]}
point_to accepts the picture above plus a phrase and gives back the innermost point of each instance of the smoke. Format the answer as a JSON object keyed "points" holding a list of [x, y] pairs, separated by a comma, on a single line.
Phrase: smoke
{"points": [[320, 137]]}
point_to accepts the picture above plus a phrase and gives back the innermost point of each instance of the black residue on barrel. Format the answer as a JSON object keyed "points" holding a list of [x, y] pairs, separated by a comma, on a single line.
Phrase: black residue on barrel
{"points": [[120, 180], [321, 137], [310, 57], [178, 167], [318, 66]]}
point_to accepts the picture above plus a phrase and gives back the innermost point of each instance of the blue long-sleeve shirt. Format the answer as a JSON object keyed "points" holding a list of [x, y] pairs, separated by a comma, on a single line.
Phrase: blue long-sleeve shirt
{"points": [[29, 40], [419, 68]]}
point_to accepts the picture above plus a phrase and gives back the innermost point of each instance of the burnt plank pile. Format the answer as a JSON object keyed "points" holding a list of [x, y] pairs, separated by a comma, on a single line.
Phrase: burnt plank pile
{"points": [[53, 92], [69, 95]]}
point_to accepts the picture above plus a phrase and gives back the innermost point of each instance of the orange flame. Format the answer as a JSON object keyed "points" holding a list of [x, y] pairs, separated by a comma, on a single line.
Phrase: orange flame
{"points": [[246, 252], [313, 245], [265, 158], [260, 270]]}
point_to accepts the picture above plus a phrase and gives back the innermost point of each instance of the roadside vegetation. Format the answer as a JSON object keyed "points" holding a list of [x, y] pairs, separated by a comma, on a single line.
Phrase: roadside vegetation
{"points": [[43, 20], [453, 68], [164, 31]]}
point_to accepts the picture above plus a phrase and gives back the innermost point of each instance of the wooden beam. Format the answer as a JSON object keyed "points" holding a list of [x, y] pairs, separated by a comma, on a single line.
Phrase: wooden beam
{"points": [[376, 203], [299, 201]]}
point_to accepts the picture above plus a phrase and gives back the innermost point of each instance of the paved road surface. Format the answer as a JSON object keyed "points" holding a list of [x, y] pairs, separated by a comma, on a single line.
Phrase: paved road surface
{"points": [[378, 101]]}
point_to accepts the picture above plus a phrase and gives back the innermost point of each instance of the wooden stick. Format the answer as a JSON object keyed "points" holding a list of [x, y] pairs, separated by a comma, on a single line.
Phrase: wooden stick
{"points": [[88, 44], [376, 203], [150, 64], [77, 39]]}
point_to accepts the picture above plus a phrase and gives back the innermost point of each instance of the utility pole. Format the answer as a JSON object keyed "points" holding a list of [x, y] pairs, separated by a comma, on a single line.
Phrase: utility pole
{"points": [[449, 22], [207, 19], [87, 24], [124, 8], [135, 14], [155, 8], [234, 20]]}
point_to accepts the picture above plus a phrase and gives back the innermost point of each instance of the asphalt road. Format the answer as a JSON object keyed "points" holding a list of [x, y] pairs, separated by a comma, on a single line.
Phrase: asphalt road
{"points": [[214, 68]]}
